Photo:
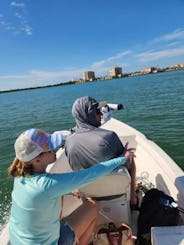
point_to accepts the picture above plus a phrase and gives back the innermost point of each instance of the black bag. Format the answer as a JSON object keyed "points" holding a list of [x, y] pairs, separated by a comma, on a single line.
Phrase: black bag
{"points": [[156, 210]]}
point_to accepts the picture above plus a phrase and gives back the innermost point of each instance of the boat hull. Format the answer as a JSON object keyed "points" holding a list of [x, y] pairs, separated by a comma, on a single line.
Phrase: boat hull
{"points": [[153, 166]]}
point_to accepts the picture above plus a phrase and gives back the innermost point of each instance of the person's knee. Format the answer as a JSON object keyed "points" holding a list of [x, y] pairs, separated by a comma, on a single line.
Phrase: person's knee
{"points": [[93, 206], [97, 207], [95, 210]]}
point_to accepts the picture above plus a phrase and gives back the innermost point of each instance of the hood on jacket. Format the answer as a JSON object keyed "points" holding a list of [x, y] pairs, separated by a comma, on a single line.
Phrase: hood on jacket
{"points": [[84, 112]]}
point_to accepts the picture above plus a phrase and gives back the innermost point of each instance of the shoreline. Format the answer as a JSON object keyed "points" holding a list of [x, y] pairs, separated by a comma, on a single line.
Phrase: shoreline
{"points": [[132, 74]]}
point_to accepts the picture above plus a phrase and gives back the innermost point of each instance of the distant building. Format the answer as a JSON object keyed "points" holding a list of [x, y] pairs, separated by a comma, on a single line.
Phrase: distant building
{"points": [[77, 80], [148, 70], [177, 66], [115, 72], [88, 76]]}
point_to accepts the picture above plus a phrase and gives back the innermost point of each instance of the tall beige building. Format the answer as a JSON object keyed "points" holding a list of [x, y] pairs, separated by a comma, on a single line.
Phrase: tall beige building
{"points": [[115, 71], [88, 76]]}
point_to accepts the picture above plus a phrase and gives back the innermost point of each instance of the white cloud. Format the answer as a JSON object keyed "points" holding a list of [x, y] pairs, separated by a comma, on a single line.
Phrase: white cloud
{"points": [[163, 52], [16, 4], [55, 75], [42, 75], [27, 29], [156, 55], [110, 59], [174, 44], [17, 23], [18, 15], [177, 34], [5, 24]]}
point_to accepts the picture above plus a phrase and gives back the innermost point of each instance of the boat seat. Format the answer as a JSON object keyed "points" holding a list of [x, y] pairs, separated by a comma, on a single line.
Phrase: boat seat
{"points": [[113, 194], [114, 185]]}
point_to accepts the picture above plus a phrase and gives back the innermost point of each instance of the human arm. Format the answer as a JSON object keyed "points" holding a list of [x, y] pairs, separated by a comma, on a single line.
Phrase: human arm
{"points": [[60, 184]]}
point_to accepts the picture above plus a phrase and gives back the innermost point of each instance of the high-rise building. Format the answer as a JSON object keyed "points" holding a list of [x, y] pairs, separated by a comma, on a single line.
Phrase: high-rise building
{"points": [[115, 71], [88, 76]]}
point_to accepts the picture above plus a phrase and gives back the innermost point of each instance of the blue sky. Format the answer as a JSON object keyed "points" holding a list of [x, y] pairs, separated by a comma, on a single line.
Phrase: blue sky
{"points": [[50, 41]]}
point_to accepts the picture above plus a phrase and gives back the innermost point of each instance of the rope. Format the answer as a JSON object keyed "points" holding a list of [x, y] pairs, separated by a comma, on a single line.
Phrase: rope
{"points": [[143, 182]]}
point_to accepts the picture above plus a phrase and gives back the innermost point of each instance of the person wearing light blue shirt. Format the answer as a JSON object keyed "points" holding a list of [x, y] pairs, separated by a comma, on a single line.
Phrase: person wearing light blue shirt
{"points": [[36, 195]]}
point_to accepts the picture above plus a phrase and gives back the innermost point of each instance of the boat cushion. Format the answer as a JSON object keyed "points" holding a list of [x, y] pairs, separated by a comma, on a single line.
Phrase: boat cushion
{"points": [[117, 183]]}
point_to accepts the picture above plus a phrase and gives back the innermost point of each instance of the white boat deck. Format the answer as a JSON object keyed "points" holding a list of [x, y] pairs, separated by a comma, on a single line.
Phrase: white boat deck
{"points": [[153, 166]]}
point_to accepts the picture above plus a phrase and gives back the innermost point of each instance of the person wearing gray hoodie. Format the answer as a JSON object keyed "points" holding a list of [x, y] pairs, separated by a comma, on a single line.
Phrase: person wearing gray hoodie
{"points": [[91, 144]]}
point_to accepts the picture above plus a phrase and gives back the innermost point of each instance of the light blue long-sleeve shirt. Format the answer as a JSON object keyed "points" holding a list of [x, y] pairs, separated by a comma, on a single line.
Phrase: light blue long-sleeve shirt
{"points": [[36, 202]]}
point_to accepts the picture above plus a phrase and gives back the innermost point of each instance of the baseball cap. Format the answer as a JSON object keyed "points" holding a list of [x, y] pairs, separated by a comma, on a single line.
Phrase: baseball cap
{"points": [[34, 141]]}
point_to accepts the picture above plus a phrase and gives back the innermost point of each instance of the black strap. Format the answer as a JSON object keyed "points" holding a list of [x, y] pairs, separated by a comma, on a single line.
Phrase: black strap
{"points": [[107, 198]]}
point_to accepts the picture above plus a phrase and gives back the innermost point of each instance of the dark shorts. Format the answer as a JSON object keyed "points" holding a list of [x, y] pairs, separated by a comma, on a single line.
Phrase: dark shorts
{"points": [[67, 234]]}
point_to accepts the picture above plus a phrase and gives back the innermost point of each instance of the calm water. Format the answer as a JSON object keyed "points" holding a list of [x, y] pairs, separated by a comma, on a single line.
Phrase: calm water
{"points": [[153, 104]]}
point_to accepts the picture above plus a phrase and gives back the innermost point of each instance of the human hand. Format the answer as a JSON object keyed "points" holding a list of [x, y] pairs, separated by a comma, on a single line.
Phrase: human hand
{"points": [[128, 153], [128, 149], [76, 193]]}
